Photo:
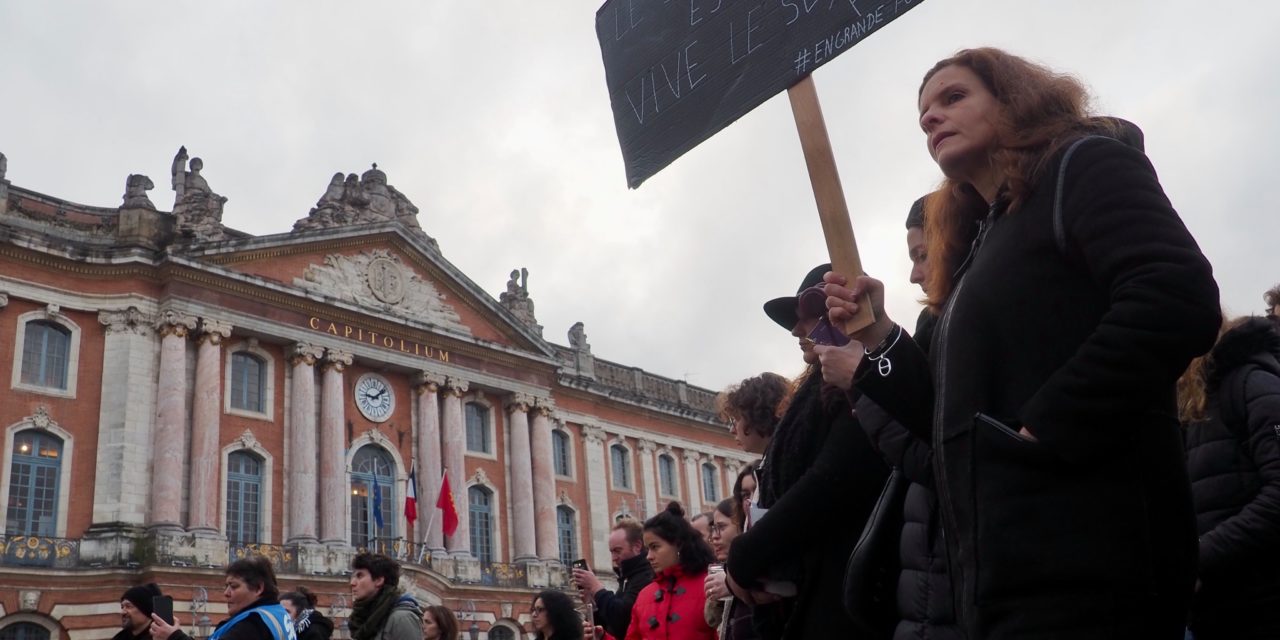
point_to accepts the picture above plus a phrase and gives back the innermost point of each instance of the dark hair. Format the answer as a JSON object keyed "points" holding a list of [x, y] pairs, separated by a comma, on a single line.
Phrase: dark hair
{"points": [[694, 552], [256, 572], [739, 513], [561, 615], [445, 619], [301, 599], [1272, 298], [378, 566], [1040, 112], [754, 402], [635, 533], [725, 507]]}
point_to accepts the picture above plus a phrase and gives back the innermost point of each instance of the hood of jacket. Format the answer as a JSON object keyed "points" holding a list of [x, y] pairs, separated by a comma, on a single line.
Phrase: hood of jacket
{"points": [[1255, 341]]}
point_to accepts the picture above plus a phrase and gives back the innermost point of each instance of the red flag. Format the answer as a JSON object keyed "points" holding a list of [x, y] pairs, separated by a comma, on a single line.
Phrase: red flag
{"points": [[411, 497], [449, 510]]}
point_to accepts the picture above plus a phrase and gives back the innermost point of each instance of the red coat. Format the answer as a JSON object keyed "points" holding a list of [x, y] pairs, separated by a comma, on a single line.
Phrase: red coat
{"points": [[670, 608]]}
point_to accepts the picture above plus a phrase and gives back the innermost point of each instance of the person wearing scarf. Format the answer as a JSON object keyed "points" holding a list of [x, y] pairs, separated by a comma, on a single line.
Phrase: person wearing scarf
{"points": [[382, 611], [308, 623]]}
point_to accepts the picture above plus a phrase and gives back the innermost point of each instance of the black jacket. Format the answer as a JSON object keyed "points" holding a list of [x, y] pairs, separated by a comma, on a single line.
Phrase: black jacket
{"points": [[613, 610], [1234, 463], [313, 625], [250, 628], [125, 635], [819, 480], [1088, 530]]}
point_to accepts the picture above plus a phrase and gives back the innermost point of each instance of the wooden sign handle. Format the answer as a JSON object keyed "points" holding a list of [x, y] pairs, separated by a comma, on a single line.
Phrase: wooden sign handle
{"points": [[832, 209]]}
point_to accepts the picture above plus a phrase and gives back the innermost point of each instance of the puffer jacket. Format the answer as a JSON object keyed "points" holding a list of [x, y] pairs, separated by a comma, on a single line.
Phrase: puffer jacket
{"points": [[671, 608], [1234, 465]]}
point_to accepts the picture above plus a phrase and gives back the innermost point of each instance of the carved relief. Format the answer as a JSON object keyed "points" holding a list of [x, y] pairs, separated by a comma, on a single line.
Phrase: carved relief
{"points": [[126, 320], [364, 200], [378, 280]]}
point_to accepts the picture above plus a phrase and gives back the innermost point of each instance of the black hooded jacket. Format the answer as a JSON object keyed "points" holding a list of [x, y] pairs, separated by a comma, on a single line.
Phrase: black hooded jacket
{"points": [[1234, 463], [613, 609]]}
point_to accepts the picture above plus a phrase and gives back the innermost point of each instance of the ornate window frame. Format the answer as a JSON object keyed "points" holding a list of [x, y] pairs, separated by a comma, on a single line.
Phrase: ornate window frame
{"points": [[40, 421], [491, 426], [248, 443], [570, 453], [481, 479], [73, 352], [252, 347], [373, 436], [631, 465]]}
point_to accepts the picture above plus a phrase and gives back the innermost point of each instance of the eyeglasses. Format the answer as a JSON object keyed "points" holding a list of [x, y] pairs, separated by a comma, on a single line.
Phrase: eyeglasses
{"points": [[717, 530], [537, 610]]}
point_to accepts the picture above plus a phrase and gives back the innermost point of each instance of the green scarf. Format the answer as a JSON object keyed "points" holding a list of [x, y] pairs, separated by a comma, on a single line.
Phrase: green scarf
{"points": [[368, 616]]}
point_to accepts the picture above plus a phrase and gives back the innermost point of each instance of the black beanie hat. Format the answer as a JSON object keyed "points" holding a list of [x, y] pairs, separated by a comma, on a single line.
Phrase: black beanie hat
{"points": [[141, 596]]}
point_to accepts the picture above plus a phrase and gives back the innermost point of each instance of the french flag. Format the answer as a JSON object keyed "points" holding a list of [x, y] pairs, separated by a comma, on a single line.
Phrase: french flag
{"points": [[411, 496]]}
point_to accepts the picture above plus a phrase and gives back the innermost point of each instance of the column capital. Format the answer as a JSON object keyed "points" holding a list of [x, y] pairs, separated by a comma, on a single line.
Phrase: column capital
{"points": [[593, 434], [519, 402], [129, 320], [544, 406], [215, 331], [455, 386], [302, 353], [336, 360], [172, 323], [426, 381], [647, 446], [692, 456]]}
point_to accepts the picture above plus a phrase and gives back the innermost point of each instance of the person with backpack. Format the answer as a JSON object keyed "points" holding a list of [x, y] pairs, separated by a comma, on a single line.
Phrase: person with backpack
{"points": [[1229, 401]]}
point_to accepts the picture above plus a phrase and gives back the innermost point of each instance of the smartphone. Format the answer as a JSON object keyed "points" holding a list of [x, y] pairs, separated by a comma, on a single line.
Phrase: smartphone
{"points": [[163, 607], [580, 563], [825, 333]]}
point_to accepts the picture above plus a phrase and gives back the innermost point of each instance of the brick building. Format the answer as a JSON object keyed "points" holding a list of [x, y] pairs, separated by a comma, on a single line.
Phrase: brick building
{"points": [[181, 394]]}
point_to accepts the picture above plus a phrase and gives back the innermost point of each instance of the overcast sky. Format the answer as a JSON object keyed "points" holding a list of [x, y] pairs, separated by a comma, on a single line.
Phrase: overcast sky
{"points": [[493, 118]]}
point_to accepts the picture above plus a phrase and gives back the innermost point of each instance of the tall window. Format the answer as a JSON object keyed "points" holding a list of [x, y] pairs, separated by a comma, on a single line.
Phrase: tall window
{"points": [[478, 428], [620, 459], [244, 498], [24, 631], [248, 382], [710, 487], [567, 535], [667, 475], [481, 522], [33, 484], [560, 452], [46, 351], [372, 493]]}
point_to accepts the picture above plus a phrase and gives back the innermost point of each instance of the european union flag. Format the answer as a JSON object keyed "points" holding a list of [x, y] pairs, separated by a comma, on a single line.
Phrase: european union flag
{"points": [[377, 503]]}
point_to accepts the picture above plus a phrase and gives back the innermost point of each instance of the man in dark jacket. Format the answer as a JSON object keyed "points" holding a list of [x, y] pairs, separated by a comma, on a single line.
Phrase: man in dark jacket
{"points": [[135, 612], [613, 610]]}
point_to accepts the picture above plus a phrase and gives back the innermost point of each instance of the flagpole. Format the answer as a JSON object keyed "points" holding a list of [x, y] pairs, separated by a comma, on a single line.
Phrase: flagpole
{"points": [[431, 518]]}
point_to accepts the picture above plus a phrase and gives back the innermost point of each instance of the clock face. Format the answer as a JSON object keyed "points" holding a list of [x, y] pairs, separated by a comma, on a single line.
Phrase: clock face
{"points": [[374, 397]]}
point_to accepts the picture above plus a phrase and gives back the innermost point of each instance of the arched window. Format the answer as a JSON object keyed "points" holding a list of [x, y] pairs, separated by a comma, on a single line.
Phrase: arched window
{"points": [[24, 631], [567, 534], [481, 522], [501, 633], [244, 498], [248, 382], [373, 476], [46, 354], [620, 460], [478, 439], [710, 483], [33, 484], [667, 476], [560, 453]]}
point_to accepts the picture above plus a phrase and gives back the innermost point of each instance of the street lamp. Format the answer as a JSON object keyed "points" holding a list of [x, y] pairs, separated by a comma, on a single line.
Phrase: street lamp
{"points": [[475, 627], [199, 618]]}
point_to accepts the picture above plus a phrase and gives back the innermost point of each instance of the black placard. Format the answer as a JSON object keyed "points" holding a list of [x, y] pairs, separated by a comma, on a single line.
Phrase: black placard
{"points": [[679, 71]]}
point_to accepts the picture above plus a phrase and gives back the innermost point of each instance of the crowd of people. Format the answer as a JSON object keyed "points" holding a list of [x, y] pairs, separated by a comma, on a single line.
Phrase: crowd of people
{"points": [[1072, 442]]}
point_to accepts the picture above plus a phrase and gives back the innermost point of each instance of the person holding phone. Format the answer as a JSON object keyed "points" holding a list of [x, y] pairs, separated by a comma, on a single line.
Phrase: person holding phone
{"points": [[613, 608], [135, 612], [253, 607]]}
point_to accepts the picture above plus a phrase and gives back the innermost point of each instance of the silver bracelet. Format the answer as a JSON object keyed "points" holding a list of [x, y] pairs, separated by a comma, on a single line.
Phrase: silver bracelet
{"points": [[880, 354]]}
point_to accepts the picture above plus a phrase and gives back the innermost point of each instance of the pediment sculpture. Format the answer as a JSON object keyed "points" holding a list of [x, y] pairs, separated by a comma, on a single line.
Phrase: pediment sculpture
{"points": [[368, 199], [379, 280]]}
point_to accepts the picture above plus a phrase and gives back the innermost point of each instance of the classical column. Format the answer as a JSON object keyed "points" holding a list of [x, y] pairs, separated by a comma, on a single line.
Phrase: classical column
{"points": [[171, 422], [126, 419], [693, 480], [597, 494], [454, 458], [206, 407], [649, 479], [333, 476], [301, 492], [522, 493], [429, 459], [544, 482]]}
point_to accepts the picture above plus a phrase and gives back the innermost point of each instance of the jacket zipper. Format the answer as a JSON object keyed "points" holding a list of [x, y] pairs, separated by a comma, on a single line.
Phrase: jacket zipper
{"points": [[939, 457]]}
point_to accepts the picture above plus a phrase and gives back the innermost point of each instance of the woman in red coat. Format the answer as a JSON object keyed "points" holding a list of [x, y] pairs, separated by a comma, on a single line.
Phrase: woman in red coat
{"points": [[671, 606]]}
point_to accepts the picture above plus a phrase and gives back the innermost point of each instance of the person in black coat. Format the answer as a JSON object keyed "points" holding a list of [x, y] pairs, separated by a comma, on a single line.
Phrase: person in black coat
{"points": [[1071, 297], [135, 612], [1230, 404], [308, 622], [613, 608], [818, 481]]}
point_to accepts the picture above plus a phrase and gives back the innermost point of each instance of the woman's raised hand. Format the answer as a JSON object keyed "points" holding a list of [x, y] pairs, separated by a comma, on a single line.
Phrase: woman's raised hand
{"points": [[844, 300]]}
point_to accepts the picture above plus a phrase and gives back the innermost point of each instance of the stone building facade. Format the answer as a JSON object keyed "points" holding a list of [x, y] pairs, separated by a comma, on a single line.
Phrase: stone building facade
{"points": [[180, 394]]}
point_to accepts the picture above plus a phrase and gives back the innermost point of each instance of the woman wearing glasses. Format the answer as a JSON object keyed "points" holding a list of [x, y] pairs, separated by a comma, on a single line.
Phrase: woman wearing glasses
{"points": [[554, 618]]}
